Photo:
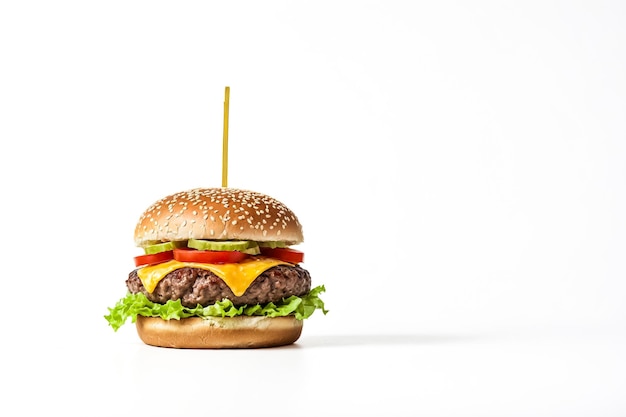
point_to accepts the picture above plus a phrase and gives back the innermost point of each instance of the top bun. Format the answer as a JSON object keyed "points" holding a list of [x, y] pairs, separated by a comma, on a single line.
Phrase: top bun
{"points": [[218, 214]]}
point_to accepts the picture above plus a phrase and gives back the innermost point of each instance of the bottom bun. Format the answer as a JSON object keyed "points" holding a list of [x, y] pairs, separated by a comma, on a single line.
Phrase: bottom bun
{"points": [[219, 332]]}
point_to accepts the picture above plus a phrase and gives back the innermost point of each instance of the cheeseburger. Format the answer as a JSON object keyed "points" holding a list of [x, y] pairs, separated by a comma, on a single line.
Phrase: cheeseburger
{"points": [[218, 270]]}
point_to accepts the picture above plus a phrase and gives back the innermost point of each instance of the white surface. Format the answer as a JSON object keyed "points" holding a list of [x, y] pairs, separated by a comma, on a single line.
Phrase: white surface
{"points": [[512, 372], [495, 128]]}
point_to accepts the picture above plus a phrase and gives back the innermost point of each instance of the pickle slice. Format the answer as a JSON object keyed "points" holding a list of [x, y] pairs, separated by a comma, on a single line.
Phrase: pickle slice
{"points": [[252, 249], [273, 244], [163, 246], [225, 245]]}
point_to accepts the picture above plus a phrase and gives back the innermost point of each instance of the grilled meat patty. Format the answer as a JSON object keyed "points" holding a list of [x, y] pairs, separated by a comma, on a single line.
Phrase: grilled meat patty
{"points": [[197, 286]]}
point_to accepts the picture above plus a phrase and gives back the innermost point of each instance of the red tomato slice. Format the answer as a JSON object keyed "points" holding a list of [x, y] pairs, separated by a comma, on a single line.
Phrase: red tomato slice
{"points": [[208, 256], [154, 258], [284, 254]]}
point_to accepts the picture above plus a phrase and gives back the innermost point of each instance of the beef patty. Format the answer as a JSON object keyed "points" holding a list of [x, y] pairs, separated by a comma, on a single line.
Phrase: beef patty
{"points": [[197, 286]]}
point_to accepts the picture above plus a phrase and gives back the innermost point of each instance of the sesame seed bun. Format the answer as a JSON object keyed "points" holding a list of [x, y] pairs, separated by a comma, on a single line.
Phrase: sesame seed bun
{"points": [[219, 332], [220, 214]]}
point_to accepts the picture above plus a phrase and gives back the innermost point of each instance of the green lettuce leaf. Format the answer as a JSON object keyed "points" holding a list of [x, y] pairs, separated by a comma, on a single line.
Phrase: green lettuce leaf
{"points": [[134, 305]]}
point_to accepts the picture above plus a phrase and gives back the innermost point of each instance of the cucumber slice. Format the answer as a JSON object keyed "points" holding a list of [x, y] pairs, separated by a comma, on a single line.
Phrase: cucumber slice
{"points": [[163, 246], [238, 245], [273, 244]]}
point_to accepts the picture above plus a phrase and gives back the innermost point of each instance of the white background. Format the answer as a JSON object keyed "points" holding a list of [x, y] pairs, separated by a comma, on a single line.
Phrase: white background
{"points": [[458, 168]]}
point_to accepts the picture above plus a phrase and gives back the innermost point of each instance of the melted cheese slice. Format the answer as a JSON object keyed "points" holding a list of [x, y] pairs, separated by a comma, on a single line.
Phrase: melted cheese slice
{"points": [[237, 276]]}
